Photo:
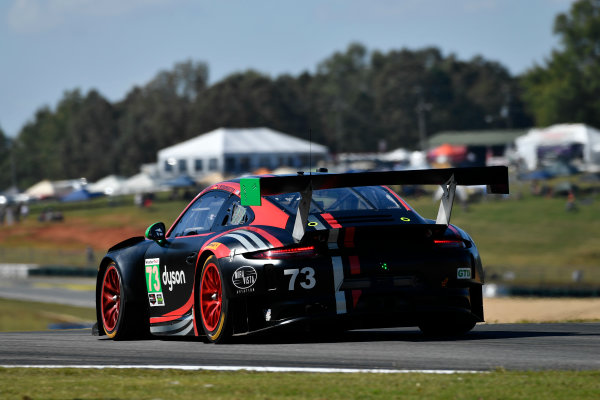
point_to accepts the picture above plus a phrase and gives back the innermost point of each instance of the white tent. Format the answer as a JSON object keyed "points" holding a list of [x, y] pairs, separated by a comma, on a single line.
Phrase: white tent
{"points": [[45, 188], [109, 185], [139, 183], [41, 190], [398, 155], [561, 135], [236, 151]]}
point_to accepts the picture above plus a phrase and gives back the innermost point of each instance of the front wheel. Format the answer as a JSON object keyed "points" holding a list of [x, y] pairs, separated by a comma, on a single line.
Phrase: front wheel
{"points": [[213, 302], [119, 319], [111, 302]]}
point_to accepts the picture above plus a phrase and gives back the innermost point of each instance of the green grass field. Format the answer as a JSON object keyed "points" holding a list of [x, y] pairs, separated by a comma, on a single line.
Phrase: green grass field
{"points": [[31, 316], [531, 238], [19, 383]]}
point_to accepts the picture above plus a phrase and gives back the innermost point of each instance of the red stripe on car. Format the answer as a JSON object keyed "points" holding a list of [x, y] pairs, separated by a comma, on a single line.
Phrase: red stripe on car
{"points": [[354, 265], [349, 237], [173, 315], [355, 296], [331, 221], [398, 198]]}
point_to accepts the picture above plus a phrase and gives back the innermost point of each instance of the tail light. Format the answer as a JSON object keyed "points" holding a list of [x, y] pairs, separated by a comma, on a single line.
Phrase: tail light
{"points": [[285, 253], [449, 243]]}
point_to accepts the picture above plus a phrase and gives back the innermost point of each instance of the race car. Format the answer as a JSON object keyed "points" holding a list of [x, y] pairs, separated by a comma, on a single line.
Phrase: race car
{"points": [[324, 251]]}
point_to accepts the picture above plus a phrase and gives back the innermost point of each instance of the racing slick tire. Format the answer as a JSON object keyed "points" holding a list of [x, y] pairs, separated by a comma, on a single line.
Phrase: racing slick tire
{"points": [[213, 302], [120, 320]]}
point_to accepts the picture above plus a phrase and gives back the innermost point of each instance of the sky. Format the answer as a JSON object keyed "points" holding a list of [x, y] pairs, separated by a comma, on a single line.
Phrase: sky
{"points": [[50, 46]]}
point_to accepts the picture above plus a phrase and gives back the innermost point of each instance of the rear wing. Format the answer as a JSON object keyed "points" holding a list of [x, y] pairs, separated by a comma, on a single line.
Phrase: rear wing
{"points": [[252, 189]]}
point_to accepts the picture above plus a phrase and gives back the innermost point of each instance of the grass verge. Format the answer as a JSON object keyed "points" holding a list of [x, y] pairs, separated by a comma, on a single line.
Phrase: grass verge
{"points": [[16, 383], [31, 316]]}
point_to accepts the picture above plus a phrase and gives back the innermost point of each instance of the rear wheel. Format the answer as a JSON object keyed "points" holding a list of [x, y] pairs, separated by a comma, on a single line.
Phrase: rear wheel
{"points": [[213, 302]]}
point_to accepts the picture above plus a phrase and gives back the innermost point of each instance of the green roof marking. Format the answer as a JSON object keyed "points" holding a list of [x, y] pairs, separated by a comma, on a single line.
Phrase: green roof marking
{"points": [[250, 191]]}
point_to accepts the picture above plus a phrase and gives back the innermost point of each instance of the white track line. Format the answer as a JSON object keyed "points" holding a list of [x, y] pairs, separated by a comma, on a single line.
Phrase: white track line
{"points": [[255, 369]]}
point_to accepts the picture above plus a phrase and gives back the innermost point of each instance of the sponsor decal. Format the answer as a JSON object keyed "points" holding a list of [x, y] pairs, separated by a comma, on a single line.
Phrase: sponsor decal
{"points": [[463, 273], [155, 295], [213, 246], [173, 278], [226, 188], [244, 279]]}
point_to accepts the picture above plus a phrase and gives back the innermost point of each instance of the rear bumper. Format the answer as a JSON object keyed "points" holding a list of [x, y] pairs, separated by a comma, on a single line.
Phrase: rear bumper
{"points": [[355, 289], [368, 309]]}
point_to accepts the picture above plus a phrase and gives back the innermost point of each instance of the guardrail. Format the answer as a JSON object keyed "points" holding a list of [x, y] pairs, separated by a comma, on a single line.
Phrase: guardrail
{"points": [[23, 271]]}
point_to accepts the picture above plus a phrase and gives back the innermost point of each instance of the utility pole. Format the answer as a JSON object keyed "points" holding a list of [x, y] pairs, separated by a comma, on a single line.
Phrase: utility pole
{"points": [[13, 167], [505, 109], [421, 109]]}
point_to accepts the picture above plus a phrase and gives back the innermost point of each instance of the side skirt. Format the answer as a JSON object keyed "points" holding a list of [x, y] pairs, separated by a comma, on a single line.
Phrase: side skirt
{"points": [[183, 326]]}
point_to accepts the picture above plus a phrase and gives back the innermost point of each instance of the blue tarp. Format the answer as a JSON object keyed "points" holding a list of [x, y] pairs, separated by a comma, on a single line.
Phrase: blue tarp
{"points": [[537, 175], [181, 181], [79, 195]]}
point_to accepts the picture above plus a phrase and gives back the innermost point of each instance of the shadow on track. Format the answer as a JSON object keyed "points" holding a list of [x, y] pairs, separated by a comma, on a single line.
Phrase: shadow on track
{"points": [[299, 336]]}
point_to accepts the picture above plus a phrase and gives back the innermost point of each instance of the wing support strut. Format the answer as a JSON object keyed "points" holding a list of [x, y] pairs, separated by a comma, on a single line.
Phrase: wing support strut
{"points": [[445, 210], [302, 214]]}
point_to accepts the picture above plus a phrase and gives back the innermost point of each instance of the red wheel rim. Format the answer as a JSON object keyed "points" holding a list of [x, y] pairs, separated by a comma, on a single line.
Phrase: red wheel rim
{"points": [[111, 298], [211, 297]]}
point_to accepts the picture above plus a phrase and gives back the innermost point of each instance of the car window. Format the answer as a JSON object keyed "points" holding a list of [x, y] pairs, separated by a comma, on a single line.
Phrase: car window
{"points": [[236, 214], [341, 199], [380, 199], [201, 215]]}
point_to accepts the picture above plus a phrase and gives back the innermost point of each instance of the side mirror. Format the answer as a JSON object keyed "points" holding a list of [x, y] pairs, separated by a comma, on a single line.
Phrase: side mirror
{"points": [[156, 232]]}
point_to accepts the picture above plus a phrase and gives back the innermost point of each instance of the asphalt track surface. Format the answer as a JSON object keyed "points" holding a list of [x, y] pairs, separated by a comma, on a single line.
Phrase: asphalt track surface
{"points": [[60, 290], [509, 346]]}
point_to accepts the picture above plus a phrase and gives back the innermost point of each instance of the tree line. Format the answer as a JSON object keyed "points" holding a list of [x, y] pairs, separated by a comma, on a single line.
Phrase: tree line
{"points": [[356, 100]]}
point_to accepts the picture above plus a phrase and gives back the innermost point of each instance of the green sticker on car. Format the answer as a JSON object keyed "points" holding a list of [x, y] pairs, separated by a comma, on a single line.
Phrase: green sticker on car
{"points": [[155, 295], [250, 191]]}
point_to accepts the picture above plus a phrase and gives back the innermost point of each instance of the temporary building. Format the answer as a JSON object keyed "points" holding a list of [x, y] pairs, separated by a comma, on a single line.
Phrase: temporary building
{"points": [[140, 183], [447, 153], [237, 151], [41, 190], [109, 185], [398, 155], [483, 147], [46, 189], [577, 142]]}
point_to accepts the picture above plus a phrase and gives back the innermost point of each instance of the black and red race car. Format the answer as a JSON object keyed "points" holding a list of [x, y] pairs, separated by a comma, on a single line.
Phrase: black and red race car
{"points": [[324, 250]]}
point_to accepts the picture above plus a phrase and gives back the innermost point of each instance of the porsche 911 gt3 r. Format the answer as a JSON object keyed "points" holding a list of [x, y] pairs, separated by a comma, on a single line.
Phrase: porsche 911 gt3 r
{"points": [[340, 250]]}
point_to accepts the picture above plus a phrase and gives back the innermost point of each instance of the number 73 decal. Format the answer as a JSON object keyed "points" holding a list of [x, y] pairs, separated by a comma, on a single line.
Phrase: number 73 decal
{"points": [[305, 277]]}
